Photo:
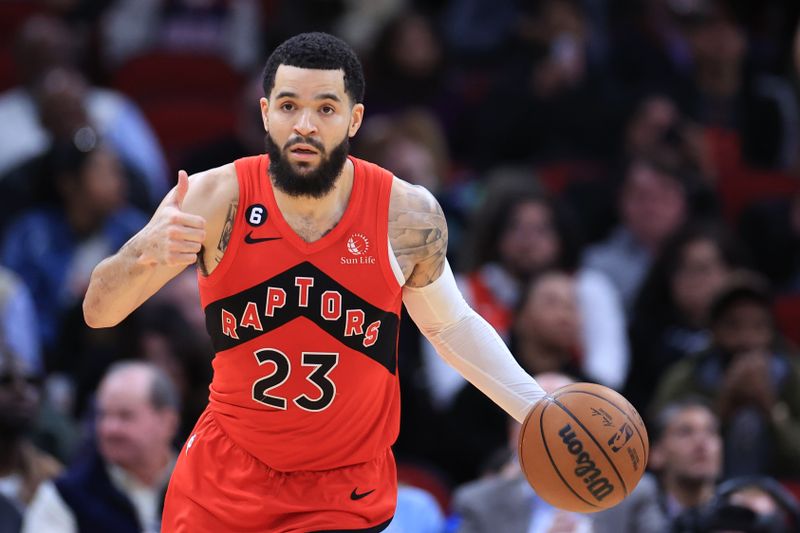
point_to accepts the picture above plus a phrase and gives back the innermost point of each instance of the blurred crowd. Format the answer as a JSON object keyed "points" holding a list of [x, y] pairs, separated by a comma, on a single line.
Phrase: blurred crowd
{"points": [[622, 186]]}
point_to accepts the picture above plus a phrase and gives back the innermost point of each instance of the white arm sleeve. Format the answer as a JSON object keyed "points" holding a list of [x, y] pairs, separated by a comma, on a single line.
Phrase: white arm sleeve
{"points": [[470, 345]]}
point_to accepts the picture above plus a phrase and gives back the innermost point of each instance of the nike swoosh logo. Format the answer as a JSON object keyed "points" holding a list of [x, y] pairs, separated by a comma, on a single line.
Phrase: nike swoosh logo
{"points": [[356, 496], [249, 239]]}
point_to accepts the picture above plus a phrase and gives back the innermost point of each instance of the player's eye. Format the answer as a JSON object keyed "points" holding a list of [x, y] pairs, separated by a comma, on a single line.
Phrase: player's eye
{"points": [[327, 110], [287, 106]]}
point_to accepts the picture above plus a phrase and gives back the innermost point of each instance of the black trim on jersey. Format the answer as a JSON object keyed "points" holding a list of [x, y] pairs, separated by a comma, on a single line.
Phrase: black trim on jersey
{"points": [[383, 350]]}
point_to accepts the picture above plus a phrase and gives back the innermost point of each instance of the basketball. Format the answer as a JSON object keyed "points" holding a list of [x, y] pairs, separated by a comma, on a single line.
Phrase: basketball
{"points": [[583, 448]]}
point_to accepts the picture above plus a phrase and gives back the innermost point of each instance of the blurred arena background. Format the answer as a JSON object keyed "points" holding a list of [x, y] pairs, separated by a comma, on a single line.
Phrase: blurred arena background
{"points": [[622, 184]]}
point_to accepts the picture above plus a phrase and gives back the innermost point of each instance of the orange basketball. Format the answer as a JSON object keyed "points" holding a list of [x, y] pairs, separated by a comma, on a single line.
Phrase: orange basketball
{"points": [[583, 448]]}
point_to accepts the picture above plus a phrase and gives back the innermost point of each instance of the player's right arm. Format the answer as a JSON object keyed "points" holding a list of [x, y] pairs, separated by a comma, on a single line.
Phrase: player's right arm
{"points": [[418, 238], [189, 220]]}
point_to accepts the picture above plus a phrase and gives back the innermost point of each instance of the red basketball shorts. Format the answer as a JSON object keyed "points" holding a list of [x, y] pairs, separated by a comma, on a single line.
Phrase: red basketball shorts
{"points": [[218, 487]]}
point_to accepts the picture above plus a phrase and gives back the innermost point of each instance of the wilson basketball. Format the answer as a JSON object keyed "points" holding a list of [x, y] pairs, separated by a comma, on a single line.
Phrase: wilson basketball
{"points": [[583, 448]]}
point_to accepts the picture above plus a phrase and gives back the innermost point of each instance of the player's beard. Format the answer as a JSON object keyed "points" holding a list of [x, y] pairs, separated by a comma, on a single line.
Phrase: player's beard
{"points": [[313, 183]]}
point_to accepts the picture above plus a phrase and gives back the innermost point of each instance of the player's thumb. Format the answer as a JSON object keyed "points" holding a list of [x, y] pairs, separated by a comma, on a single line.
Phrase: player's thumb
{"points": [[181, 189]]}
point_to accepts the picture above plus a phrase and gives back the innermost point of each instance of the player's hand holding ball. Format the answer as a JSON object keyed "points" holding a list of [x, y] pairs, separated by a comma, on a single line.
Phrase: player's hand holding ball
{"points": [[583, 448]]}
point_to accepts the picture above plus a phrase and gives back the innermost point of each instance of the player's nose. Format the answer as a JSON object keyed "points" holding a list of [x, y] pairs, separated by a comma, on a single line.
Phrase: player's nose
{"points": [[305, 124]]}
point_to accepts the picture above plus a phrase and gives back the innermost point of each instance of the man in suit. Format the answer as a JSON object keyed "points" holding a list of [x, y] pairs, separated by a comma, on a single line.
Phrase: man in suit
{"points": [[120, 486]]}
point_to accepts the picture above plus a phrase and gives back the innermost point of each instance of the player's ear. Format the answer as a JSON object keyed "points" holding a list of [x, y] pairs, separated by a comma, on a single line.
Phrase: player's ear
{"points": [[356, 116], [264, 103]]}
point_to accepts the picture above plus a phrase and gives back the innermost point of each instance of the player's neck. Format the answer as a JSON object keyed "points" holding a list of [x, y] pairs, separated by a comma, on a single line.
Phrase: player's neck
{"points": [[313, 217]]}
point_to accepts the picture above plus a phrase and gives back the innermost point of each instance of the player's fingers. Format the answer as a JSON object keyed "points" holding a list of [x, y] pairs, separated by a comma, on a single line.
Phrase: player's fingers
{"points": [[183, 259], [189, 220], [182, 188], [183, 247], [185, 233]]}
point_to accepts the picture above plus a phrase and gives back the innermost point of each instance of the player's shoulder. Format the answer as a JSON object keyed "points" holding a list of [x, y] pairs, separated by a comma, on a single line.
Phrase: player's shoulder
{"points": [[216, 184], [407, 197], [212, 190], [214, 178]]}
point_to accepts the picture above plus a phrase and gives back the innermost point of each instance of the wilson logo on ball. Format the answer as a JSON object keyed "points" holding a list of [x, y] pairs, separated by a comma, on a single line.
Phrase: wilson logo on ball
{"points": [[585, 468]]}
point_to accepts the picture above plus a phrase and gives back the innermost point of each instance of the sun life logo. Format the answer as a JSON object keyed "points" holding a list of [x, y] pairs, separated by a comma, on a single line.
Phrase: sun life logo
{"points": [[357, 244]]}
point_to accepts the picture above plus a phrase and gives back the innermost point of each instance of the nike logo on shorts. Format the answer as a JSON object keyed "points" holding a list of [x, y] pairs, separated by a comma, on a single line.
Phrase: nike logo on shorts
{"points": [[356, 496]]}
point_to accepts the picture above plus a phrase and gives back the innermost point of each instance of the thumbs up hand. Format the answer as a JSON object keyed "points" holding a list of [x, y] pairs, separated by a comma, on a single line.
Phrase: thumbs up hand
{"points": [[173, 237]]}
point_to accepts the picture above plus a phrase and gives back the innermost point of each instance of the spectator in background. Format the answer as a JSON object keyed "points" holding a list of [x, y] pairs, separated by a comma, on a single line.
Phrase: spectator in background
{"points": [[54, 249], [729, 94], [650, 50], [120, 487], [23, 467], [655, 130], [408, 66], [168, 341], [752, 381], [654, 200], [658, 129], [686, 455], [45, 43], [546, 330], [410, 143], [19, 328], [228, 29], [669, 320], [640, 512], [564, 108], [62, 110], [182, 292], [745, 505]]}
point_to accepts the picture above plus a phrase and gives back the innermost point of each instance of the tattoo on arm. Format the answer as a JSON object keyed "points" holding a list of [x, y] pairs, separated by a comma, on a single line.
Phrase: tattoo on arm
{"points": [[227, 229], [418, 234]]}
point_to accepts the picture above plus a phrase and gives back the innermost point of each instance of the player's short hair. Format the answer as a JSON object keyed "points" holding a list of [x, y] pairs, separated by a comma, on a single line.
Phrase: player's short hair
{"points": [[317, 50]]}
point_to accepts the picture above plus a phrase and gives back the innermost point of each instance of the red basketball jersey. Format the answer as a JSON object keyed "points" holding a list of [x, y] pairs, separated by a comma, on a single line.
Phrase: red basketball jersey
{"points": [[305, 334]]}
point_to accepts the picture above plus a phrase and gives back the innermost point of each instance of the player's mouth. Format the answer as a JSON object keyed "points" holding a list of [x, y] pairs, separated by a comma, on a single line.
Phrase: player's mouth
{"points": [[303, 151]]}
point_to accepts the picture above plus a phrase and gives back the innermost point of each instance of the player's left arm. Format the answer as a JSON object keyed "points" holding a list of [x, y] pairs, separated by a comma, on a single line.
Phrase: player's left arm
{"points": [[418, 236]]}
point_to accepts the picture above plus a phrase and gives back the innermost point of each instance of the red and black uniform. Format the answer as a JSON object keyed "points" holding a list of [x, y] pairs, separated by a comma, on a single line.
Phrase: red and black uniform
{"points": [[304, 403]]}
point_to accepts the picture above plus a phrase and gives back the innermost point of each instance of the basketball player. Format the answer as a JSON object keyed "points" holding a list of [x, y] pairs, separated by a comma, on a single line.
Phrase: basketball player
{"points": [[304, 256]]}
